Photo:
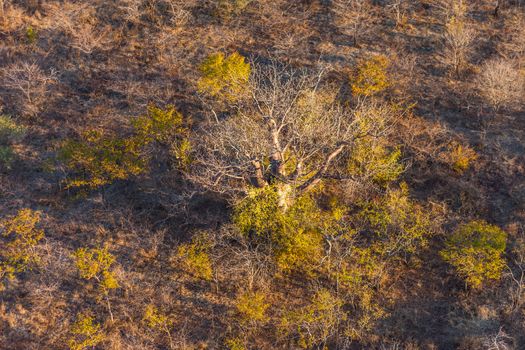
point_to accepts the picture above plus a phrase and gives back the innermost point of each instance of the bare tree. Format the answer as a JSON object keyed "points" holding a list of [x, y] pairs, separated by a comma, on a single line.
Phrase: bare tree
{"points": [[30, 86], [353, 16], [501, 83], [292, 132], [458, 38], [80, 24]]}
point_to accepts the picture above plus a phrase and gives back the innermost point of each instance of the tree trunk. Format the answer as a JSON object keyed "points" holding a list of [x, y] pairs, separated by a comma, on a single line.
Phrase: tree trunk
{"points": [[258, 179]]}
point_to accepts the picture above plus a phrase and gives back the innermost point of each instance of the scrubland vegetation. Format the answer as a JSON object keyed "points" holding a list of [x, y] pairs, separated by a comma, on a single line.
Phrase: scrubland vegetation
{"points": [[256, 174]]}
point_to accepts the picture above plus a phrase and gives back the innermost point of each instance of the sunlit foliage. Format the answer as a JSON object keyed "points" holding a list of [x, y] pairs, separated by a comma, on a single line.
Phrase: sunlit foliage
{"points": [[95, 263], [99, 158], [224, 77], [315, 323], [19, 236], [86, 334], [475, 250], [195, 257], [400, 224], [371, 77], [252, 307]]}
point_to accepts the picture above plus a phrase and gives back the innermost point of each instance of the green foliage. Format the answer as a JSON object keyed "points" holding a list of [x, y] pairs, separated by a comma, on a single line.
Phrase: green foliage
{"points": [[7, 156], [235, 344], [157, 320], [371, 77], [294, 232], [316, 322], [31, 35], [358, 277], [402, 225], [95, 263], [85, 333], [252, 307], [373, 159], [228, 8], [475, 250], [195, 257], [224, 77], [100, 159], [160, 125], [19, 237], [460, 157], [10, 131]]}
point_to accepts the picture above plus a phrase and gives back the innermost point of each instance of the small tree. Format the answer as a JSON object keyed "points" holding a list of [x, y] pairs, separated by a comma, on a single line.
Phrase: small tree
{"points": [[224, 77], [354, 16], [458, 38], [95, 263], [85, 333], [99, 159], [195, 257], [20, 235], [29, 86], [316, 323], [501, 83], [371, 77], [157, 320], [475, 250]]}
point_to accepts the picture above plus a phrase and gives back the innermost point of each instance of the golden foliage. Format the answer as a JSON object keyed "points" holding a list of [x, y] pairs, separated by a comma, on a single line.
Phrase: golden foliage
{"points": [[195, 257], [85, 333], [95, 264], [19, 237], [252, 307], [224, 77], [371, 77], [475, 250]]}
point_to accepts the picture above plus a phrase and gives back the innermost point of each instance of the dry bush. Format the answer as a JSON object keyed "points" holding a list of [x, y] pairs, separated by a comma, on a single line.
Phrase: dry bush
{"points": [[29, 86], [354, 17], [513, 44], [80, 24], [501, 83], [458, 38]]}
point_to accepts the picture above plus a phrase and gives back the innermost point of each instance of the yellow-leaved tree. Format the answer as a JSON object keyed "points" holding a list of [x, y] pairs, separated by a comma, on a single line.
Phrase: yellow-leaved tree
{"points": [[19, 236], [95, 263], [475, 250], [224, 77]]}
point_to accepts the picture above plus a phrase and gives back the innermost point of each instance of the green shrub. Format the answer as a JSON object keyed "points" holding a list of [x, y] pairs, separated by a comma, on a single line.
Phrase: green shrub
{"points": [[98, 159], [7, 156], [195, 257], [85, 333], [19, 237], [475, 250], [10, 131], [374, 160], [252, 307], [371, 77], [224, 77], [315, 323], [95, 263], [400, 224], [228, 8], [295, 232], [31, 35]]}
